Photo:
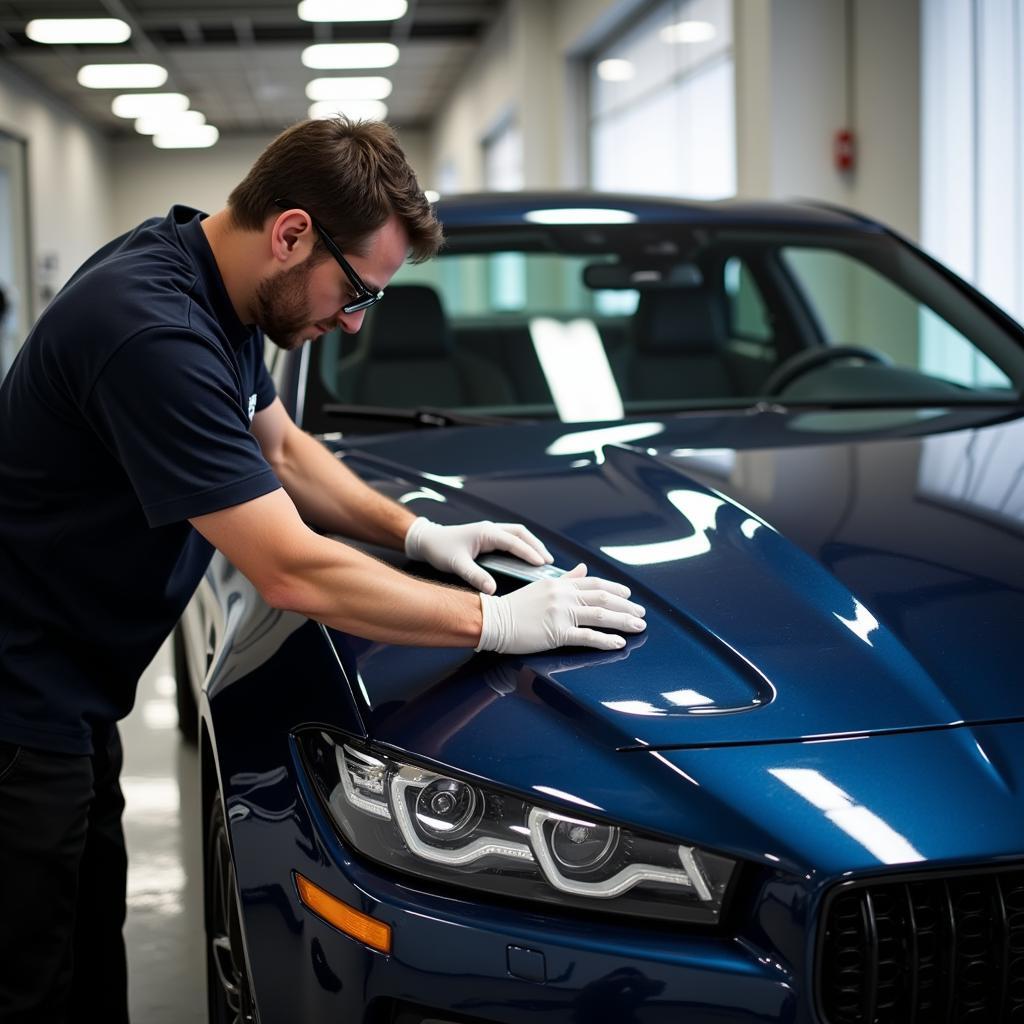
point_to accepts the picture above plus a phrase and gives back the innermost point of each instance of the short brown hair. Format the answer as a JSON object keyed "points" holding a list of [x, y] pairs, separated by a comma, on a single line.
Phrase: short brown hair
{"points": [[352, 174]]}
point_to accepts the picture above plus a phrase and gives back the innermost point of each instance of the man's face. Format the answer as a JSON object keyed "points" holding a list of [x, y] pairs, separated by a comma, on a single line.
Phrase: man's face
{"points": [[304, 301]]}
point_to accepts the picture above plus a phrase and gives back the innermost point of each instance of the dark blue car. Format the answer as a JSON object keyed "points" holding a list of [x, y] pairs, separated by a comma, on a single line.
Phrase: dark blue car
{"points": [[799, 796]]}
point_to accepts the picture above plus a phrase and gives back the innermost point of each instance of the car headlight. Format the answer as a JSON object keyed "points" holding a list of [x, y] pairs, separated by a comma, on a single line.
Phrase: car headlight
{"points": [[413, 819]]}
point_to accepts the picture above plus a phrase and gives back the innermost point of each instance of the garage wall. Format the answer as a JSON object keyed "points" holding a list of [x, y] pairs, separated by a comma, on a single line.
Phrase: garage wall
{"points": [[68, 182], [887, 51], [528, 69], [482, 100], [147, 181], [794, 61]]}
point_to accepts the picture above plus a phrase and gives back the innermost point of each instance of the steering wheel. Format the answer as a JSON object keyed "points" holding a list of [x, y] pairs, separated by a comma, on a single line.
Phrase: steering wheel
{"points": [[803, 362]]}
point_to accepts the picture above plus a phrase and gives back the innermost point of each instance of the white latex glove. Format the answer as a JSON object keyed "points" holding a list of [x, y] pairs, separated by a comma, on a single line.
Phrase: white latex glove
{"points": [[557, 613], [454, 548]]}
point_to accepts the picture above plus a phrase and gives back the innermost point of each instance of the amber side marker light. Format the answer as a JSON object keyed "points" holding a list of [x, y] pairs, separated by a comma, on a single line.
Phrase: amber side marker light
{"points": [[360, 926]]}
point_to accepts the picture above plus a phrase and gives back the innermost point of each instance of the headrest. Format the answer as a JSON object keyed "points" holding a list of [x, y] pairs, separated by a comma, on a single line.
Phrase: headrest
{"points": [[408, 323], [679, 320]]}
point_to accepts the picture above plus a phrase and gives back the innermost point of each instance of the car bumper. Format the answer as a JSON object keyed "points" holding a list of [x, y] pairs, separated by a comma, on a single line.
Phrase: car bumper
{"points": [[459, 960]]}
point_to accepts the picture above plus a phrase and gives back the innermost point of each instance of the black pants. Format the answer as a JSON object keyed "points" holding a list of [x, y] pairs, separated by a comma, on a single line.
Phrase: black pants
{"points": [[63, 870]]}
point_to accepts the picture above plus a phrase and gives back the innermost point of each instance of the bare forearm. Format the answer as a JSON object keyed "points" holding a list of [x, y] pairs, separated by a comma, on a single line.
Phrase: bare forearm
{"points": [[297, 569], [351, 591], [331, 497]]}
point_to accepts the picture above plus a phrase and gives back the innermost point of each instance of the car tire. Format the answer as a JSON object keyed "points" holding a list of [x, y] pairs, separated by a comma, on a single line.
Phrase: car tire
{"points": [[188, 710], [228, 992]]}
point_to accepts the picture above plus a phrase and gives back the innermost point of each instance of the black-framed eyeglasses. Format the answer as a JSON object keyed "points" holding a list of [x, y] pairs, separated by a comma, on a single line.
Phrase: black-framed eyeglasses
{"points": [[365, 296]]}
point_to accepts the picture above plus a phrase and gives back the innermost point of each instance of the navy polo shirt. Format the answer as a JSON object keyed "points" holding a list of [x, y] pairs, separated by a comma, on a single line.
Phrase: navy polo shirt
{"points": [[126, 412]]}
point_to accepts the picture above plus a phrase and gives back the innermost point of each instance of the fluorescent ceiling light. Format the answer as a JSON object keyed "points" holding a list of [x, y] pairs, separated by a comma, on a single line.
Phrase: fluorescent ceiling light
{"points": [[144, 104], [352, 10], [359, 110], [164, 124], [77, 30], [350, 55], [122, 76], [187, 138], [368, 87], [688, 32], [580, 215], [615, 70], [431, 196]]}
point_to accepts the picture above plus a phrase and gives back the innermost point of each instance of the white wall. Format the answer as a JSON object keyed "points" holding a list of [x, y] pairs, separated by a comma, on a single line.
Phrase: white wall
{"points": [[148, 181], [887, 183], [68, 181], [791, 71], [483, 96], [792, 96], [528, 67]]}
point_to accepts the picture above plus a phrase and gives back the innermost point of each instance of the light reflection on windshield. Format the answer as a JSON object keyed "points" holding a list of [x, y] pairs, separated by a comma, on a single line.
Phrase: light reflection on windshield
{"points": [[576, 369]]}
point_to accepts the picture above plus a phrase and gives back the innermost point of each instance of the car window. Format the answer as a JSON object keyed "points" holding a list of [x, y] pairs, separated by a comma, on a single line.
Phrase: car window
{"points": [[485, 284], [748, 313], [588, 324], [855, 304]]}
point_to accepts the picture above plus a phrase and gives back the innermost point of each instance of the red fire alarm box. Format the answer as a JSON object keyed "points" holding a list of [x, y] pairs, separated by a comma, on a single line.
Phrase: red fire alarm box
{"points": [[843, 149]]}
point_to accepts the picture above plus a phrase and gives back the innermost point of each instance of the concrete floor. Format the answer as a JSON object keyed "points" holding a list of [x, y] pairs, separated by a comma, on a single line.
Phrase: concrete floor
{"points": [[164, 929]]}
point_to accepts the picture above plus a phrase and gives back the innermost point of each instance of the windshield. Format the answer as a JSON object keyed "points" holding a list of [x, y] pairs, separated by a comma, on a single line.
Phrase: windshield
{"points": [[597, 323]]}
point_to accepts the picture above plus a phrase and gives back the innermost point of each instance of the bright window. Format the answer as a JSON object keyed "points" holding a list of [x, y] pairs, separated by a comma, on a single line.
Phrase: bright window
{"points": [[973, 148], [663, 107], [503, 172]]}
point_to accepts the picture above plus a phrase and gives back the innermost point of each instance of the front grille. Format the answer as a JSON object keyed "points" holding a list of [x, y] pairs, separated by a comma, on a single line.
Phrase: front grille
{"points": [[925, 949]]}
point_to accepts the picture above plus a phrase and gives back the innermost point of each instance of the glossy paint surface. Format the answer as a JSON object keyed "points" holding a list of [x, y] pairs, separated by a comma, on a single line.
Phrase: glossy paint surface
{"points": [[814, 588], [829, 688], [450, 949], [702, 730]]}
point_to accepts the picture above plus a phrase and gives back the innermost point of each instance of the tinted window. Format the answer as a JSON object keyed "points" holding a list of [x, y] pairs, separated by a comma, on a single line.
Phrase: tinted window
{"points": [[856, 305], [592, 323]]}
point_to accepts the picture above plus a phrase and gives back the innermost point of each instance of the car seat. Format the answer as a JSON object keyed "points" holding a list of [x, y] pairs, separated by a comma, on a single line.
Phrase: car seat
{"points": [[404, 356], [677, 349]]}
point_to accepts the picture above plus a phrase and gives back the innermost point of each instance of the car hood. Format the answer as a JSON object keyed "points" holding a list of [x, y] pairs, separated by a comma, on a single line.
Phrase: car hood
{"points": [[807, 575]]}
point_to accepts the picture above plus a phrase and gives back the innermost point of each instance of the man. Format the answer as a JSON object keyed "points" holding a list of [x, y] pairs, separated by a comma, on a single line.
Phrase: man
{"points": [[138, 431]]}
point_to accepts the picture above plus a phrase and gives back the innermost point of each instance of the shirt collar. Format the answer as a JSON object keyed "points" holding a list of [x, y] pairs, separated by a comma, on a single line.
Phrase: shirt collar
{"points": [[186, 223]]}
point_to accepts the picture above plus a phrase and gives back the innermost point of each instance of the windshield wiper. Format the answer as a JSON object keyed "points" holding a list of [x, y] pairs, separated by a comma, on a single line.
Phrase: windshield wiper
{"points": [[422, 416]]}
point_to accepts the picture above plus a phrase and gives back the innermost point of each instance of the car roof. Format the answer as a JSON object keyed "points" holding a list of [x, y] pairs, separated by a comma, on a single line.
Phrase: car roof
{"points": [[500, 209]]}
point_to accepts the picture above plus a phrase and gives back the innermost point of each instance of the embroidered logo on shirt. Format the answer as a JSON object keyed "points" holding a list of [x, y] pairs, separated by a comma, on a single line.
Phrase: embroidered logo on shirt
{"points": [[252, 407]]}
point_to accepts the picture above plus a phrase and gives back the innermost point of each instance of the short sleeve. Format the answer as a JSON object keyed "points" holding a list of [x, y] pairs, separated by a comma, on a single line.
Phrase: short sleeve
{"points": [[168, 406], [265, 390]]}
